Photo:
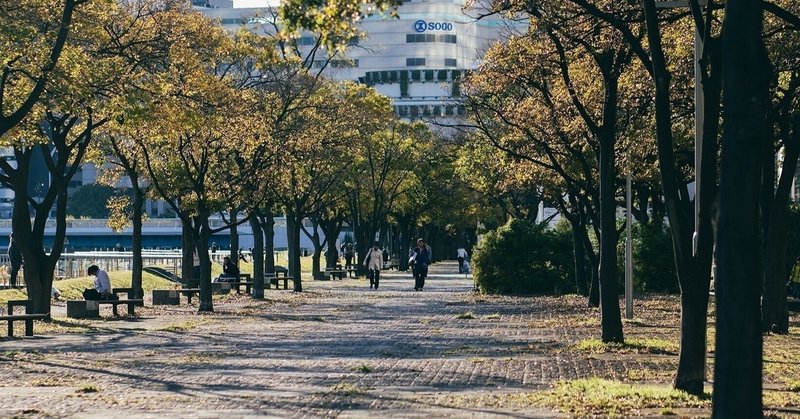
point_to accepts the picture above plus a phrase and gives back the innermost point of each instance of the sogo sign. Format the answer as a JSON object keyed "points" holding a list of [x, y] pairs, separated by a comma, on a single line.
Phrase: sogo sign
{"points": [[422, 26]]}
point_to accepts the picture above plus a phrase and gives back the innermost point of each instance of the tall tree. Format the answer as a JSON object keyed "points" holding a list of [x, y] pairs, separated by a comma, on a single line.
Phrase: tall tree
{"points": [[58, 106], [782, 36], [32, 39], [746, 70], [191, 153]]}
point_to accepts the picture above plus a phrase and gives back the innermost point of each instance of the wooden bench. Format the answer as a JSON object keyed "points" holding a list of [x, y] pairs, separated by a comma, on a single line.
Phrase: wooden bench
{"points": [[128, 291], [91, 308], [27, 318], [275, 280], [172, 297], [238, 284], [333, 273], [28, 304]]}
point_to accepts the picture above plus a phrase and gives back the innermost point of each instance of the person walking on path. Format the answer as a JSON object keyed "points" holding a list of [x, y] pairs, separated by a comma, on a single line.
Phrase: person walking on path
{"points": [[373, 262], [422, 258], [15, 258], [461, 254], [348, 255]]}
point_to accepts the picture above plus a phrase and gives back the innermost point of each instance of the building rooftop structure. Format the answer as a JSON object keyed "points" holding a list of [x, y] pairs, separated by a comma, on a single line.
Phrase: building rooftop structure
{"points": [[417, 59]]}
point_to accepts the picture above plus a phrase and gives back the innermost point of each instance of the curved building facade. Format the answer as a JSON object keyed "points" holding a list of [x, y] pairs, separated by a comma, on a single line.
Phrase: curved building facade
{"points": [[417, 59]]}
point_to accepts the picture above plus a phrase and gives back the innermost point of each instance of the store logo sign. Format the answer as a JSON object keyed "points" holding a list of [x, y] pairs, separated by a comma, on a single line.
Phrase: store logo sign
{"points": [[422, 26]]}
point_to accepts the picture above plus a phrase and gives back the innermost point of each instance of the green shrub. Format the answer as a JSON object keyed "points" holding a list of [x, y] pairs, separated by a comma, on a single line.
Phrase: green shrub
{"points": [[522, 257], [653, 259]]}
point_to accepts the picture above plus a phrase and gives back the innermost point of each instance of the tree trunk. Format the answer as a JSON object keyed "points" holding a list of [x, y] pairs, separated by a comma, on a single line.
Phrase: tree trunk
{"points": [[293, 239], [258, 257], [136, 239], [691, 375], [315, 258], [38, 265], [206, 300], [738, 357], [579, 255], [405, 240], [331, 228], [611, 320], [187, 259], [267, 222], [693, 271], [594, 284], [775, 312], [234, 253]]}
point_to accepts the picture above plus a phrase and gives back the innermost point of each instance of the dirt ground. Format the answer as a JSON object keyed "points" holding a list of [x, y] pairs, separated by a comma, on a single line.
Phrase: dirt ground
{"points": [[341, 349]]}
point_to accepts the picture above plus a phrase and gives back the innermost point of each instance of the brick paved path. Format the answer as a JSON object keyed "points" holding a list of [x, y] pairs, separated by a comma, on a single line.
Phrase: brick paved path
{"points": [[337, 350]]}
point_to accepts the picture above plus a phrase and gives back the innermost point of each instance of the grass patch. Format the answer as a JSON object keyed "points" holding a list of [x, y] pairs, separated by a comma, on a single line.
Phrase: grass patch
{"points": [[87, 388], [195, 359], [72, 289], [348, 389], [62, 325], [186, 325], [636, 345], [466, 315], [793, 386], [603, 397], [780, 399], [495, 316], [364, 368]]}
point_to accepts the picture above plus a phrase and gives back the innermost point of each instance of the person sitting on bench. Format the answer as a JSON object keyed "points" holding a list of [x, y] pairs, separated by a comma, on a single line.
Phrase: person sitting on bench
{"points": [[102, 285], [230, 272]]}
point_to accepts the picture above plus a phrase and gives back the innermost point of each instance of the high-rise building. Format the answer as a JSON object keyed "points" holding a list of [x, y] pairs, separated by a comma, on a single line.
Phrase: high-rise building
{"points": [[417, 59]]}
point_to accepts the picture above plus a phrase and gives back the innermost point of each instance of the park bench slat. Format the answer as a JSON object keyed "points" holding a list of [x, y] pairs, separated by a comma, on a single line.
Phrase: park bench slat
{"points": [[27, 318]]}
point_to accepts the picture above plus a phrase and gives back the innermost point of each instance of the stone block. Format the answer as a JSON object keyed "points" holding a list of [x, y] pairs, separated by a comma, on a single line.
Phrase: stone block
{"points": [[166, 297], [221, 287], [78, 309]]}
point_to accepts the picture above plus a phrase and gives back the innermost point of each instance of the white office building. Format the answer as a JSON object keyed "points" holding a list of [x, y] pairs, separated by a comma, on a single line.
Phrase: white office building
{"points": [[417, 60]]}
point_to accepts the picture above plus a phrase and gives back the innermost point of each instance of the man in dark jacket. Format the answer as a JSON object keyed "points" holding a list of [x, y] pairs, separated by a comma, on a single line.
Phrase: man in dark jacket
{"points": [[15, 257], [421, 262]]}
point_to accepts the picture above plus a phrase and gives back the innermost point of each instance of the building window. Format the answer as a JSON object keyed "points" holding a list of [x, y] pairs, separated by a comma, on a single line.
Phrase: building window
{"points": [[414, 62], [336, 63], [430, 37], [307, 40], [448, 39], [233, 21], [450, 62]]}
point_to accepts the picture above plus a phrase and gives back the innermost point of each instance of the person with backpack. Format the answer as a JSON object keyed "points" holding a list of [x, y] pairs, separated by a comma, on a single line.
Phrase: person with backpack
{"points": [[461, 255], [348, 255], [374, 262], [422, 258]]}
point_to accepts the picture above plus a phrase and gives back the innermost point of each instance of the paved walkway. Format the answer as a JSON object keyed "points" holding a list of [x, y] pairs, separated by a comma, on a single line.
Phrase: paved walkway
{"points": [[337, 350]]}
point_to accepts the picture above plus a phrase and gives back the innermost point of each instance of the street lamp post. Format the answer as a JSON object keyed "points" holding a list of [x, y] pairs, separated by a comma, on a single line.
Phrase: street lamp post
{"points": [[628, 252], [698, 113]]}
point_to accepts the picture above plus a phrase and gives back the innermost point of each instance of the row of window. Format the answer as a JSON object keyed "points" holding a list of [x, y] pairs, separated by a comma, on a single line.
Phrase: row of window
{"points": [[431, 111], [417, 62], [309, 40], [336, 63], [431, 37]]}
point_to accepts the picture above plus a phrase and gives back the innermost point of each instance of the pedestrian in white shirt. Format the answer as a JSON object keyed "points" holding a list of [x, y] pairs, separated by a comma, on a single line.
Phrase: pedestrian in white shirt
{"points": [[374, 262], [461, 253]]}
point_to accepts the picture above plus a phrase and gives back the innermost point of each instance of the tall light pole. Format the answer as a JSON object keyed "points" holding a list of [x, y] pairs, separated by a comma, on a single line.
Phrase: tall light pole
{"points": [[628, 251], [698, 113]]}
